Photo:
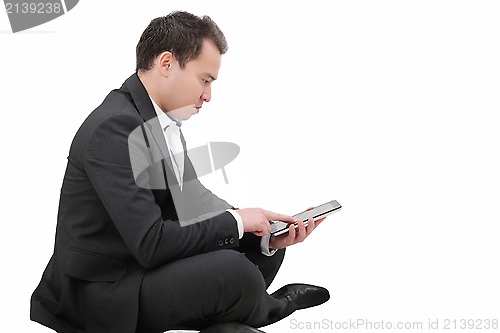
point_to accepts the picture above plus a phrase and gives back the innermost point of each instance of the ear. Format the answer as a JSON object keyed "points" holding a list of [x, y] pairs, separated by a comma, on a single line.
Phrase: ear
{"points": [[165, 61]]}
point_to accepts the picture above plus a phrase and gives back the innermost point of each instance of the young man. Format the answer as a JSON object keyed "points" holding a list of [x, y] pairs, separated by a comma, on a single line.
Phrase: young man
{"points": [[141, 245]]}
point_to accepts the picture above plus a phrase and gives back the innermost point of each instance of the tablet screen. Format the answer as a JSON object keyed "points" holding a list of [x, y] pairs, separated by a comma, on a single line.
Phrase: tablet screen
{"points": [[278, 227], [318, 211]]}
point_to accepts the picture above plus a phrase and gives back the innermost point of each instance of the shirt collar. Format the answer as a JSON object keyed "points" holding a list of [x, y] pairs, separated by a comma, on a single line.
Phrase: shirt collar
{"points": [[164, 118]]}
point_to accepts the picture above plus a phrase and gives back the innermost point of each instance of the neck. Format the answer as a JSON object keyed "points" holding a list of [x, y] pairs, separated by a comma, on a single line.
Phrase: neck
{"points": [[151, 84]]}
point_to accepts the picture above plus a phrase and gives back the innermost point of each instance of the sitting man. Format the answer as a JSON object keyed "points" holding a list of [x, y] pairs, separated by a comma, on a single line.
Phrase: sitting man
{"points": [[141, 245]]}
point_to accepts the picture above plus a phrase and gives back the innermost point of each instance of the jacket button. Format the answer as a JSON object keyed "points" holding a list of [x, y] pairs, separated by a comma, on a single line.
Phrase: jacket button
{"points": [[231, 241], [226, 241], [221, 242]]}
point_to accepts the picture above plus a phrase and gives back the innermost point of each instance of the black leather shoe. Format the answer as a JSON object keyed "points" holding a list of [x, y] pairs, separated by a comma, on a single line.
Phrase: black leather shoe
{"points": [[303, 295], [231, 328]]}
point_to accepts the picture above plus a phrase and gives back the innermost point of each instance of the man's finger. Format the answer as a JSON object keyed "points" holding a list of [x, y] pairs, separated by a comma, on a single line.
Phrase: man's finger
{"points": [[302, 231], [310, 226], [291, 234], [279, 217], [317, 222]]}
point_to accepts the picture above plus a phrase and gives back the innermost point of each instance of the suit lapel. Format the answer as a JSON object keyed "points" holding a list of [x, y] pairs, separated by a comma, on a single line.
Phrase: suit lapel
{"points": [[159, 139], [143, 105]]}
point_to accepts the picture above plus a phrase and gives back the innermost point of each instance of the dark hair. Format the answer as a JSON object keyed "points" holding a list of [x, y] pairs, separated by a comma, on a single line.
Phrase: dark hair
{"points": [[179, 32]]}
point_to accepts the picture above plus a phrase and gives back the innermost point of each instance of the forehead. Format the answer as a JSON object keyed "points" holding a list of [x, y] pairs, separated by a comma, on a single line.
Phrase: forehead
{"points": [[209, 59]]}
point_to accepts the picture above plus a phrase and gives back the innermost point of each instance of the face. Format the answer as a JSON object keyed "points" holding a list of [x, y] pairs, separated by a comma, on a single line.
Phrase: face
{"points": [[184, 90]]}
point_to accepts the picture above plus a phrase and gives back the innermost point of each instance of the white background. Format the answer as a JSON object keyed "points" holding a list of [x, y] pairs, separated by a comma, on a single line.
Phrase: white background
{"points": [[387, 106]]}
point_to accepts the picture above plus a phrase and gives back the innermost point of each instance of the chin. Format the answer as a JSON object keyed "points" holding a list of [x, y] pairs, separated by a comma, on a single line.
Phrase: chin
{"points": [[186, 117]]}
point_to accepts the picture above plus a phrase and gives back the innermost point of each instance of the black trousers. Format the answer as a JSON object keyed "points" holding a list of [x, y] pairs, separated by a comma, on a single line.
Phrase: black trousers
{"points": [[220, 286]]}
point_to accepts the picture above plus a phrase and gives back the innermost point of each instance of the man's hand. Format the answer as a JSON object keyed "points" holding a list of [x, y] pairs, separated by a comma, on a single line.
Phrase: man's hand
{"points": [[256, 220], [294, 236]]}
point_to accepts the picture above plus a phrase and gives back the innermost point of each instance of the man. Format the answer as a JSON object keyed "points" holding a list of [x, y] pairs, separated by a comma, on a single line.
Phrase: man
{"points": [[141, 245]]}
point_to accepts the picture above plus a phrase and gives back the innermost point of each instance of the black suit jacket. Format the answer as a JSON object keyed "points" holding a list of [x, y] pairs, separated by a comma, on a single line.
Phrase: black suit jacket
{"points": [[119, 216]]}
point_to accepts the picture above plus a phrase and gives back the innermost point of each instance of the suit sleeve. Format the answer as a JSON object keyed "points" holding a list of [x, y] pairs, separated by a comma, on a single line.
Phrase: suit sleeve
{"points": [[152, 240]]}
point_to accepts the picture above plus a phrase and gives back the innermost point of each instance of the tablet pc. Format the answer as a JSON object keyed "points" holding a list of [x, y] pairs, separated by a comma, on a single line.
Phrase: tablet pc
{"points": [[316, 213]]}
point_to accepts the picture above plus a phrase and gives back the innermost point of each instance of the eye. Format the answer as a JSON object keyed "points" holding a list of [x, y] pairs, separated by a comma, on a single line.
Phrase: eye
{"points": [[205, 81]]}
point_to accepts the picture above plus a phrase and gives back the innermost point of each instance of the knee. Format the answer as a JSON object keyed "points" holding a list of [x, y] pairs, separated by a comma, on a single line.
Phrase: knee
{"points": [[236, 265], [242, 277]]}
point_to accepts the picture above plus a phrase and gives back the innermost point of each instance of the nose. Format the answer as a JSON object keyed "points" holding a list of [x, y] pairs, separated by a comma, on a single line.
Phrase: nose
{"points": [[207, 94]]}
